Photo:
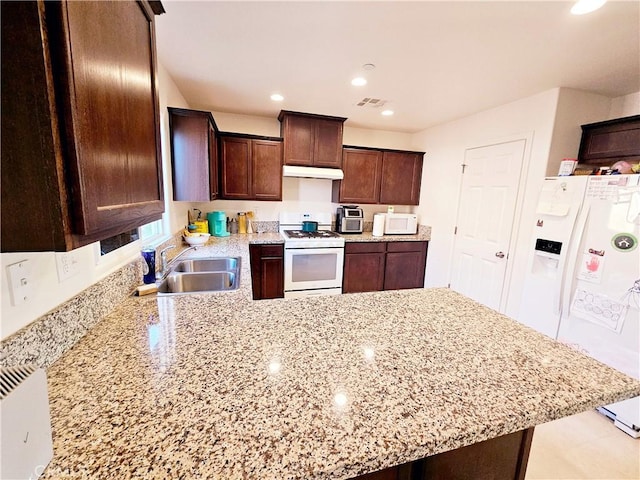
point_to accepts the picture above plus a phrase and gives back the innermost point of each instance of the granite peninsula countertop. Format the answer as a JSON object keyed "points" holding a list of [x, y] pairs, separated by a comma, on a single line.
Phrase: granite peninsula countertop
{"points": [[217, 386]]}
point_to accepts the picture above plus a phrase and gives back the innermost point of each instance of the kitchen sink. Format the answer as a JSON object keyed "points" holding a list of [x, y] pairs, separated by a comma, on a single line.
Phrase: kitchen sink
{"points": [[226, 264], [201, 275], [194, 282]]}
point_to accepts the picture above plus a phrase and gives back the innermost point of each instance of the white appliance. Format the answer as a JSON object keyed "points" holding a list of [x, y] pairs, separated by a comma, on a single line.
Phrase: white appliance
{"points": [[582, 284], [313, 261], [400, 224]]}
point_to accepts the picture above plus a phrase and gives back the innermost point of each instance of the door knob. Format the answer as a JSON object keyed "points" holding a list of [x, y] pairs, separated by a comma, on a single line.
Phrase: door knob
{"points": [[499, 254]]}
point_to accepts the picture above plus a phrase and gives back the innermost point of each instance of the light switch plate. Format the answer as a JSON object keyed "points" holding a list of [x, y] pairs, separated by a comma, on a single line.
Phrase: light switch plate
{"points": [[20, 282]]}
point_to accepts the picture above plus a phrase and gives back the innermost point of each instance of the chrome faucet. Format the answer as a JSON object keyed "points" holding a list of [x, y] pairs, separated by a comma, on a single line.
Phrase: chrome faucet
{"points": [[164, 265]]}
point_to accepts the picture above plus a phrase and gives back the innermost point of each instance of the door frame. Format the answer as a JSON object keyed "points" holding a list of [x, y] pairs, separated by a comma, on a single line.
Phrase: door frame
{"points": [[517, 213]]}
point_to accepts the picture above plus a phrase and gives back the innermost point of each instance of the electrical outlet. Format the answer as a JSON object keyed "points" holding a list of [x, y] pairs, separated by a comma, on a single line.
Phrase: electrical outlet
{"points": [[68, 265], [20, 282]]}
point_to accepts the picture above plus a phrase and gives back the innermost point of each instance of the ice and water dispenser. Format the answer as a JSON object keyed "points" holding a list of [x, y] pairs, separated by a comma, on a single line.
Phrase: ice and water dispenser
{"points": [[546, 258]]}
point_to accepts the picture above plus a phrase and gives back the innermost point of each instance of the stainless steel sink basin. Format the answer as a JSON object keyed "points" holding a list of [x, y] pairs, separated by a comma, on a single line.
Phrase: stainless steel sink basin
{"points": [[223, 264], [201, 275], [192, 282]]}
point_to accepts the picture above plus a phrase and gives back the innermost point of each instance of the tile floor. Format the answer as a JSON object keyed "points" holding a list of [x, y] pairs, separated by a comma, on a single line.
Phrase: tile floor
{"points": [[583, 447]]}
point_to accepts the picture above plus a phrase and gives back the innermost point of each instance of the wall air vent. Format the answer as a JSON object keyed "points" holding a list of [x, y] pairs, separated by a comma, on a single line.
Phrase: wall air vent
{"points": [[371, 102], [27, 445]]}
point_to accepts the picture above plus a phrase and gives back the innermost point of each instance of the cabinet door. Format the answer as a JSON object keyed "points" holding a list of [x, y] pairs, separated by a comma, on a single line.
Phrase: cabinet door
{"points": [[363, 272], [267, 169], [236, 168], [190, 152], [214, 188], [604, 143], [328, 144], [405, 265], [362, 177], [105, 72], [299, 135], [267, 271], [83, 162], [363, 267], [401, 177]]}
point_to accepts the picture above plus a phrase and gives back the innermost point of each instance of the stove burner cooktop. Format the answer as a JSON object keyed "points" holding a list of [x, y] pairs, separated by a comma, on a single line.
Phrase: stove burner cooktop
{"points": [[315, 235]]}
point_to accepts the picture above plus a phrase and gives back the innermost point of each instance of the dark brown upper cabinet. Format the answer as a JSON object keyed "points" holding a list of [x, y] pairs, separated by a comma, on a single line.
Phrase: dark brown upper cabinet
{"points": [[401, 178], [251, 167], [390, 177], [362, 176], [194, 155], [80, 122], [311, 140], [605, 143]]}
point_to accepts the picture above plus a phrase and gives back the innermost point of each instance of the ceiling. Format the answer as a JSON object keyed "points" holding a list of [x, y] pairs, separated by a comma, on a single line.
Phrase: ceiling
{"points": [[435, 61]]}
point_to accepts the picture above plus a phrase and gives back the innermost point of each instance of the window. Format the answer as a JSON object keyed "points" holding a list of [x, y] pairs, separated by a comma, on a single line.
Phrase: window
{"points": [[120, 240], [117, 251]]}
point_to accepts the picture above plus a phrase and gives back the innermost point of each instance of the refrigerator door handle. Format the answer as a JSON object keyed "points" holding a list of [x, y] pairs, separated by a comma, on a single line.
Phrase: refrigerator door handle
{"points": [[568, 280]]}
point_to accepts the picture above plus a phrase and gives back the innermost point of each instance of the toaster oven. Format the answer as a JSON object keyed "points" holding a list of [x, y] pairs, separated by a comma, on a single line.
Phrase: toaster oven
{"points": [[349, 219]]}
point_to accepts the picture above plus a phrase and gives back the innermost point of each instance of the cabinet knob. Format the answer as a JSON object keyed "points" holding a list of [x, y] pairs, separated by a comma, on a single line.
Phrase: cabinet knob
{"points": [[499, 254]]}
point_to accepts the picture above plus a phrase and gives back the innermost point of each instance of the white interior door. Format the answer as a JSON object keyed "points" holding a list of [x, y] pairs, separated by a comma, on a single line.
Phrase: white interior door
{"points": [[485, 219]]}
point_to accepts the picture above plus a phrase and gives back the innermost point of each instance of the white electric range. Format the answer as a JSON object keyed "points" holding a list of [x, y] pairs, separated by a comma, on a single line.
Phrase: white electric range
{"points": [[313, 260]]}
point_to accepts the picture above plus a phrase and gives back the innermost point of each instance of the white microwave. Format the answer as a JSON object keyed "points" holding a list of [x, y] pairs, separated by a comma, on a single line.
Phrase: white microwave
{"points": [[400, 224]]}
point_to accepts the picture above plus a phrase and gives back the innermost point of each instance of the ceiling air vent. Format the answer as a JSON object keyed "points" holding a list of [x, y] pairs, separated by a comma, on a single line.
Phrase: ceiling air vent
{"points": [[371, 102]]}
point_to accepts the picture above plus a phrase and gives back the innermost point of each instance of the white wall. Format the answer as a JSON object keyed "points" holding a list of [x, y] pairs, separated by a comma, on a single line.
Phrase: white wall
{"points": [[625, 106], [531, 118], [575, 108], [551, 120], [169, 96], [48, 292]]}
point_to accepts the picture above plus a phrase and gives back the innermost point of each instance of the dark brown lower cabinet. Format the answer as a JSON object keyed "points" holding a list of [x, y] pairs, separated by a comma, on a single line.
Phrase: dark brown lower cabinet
{"points": [[405, 265], [500, 458], [267, 271], [363, 267], [374, 266]]}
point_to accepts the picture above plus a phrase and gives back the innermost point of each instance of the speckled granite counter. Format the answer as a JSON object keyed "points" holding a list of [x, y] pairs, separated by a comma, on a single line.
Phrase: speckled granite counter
{"points": [[423, 235], [218, 386]]}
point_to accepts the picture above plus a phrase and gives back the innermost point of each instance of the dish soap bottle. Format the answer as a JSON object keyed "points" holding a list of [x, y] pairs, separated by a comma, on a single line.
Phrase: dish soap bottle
{"points": [[242, 222]]}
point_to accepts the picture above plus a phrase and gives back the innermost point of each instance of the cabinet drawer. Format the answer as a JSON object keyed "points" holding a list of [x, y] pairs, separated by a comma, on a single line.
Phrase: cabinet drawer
{"points": [[405, 246], [364, 247], [271, 250]]}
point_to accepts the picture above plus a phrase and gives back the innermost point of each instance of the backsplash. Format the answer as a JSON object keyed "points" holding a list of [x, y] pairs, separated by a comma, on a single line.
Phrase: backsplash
{"points": [[46, 339], [43, 341]]}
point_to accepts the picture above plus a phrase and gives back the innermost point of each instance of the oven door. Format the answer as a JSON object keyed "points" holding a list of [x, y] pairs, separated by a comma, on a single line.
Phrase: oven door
{"points": [[313, 268]]}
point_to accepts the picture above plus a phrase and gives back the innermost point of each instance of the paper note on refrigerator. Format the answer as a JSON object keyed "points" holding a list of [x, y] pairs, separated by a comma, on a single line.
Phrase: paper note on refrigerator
{"points": [[591, 267], [553, 209], [599, 309]]}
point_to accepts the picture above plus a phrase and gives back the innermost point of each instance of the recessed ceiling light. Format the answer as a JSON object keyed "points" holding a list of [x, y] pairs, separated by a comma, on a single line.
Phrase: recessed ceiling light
{"points": [[368, 66], [276, 97], [387, 113], [359, 81], [586, 6]]}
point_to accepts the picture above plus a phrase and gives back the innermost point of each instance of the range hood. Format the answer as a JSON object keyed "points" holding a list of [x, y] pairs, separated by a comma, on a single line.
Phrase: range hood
{"points": [[312, 172]]}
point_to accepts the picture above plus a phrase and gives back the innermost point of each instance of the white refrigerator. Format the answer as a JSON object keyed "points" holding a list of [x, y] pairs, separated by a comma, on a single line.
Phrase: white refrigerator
{"points": [[582, 283]]}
